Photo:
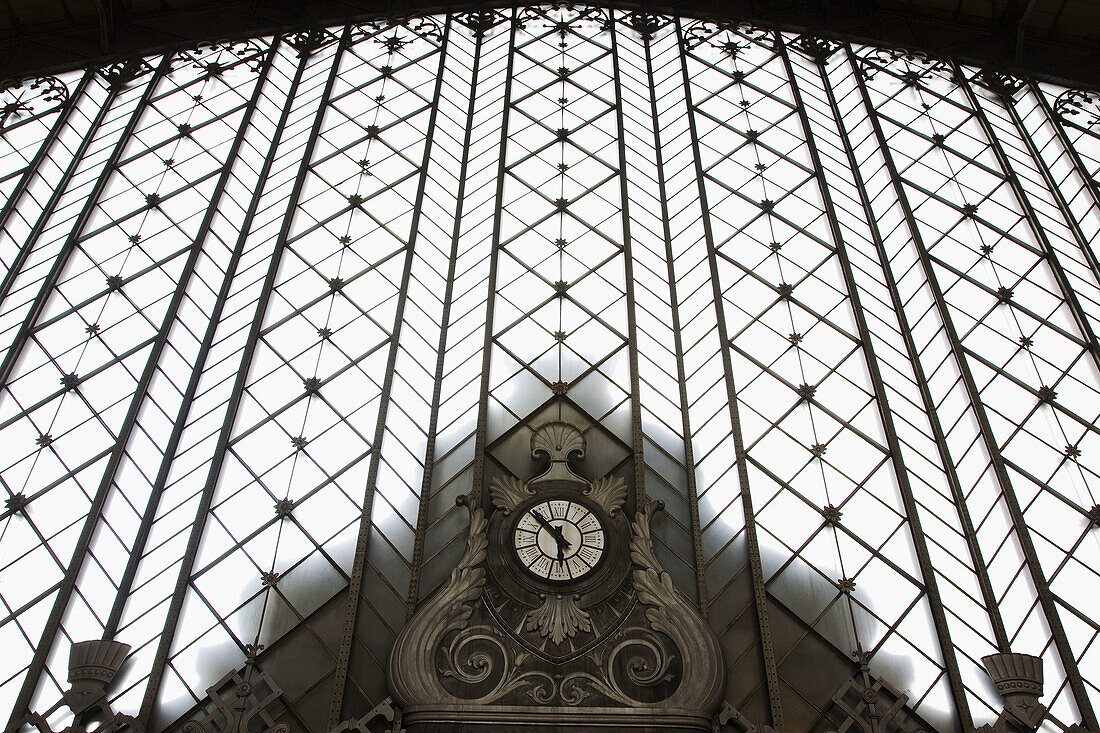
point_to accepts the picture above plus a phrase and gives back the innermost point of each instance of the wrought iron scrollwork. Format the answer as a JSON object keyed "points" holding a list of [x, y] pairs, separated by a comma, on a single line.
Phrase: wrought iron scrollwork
{"points": [[646, 25], [708, 31], [207, 56], [396, 32], [30, 98], [571, 18], [817, 48], [911, 67], [1000, 83], [310, 40], [120, 74], [480, 22], [1079, 108]]}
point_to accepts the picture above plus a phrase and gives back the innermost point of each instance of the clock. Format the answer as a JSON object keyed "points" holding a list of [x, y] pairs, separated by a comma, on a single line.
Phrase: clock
{"points": [[559, 540]]}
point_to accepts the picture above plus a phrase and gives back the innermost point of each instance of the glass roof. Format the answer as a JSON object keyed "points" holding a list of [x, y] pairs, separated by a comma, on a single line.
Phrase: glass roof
{"points": [[837, 302]]}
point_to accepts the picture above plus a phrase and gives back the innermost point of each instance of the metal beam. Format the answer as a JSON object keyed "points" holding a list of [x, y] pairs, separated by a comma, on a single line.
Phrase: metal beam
{"points": [[1046, 598], [913, 354], [441, 350], [1078, 313], [901, 473], [637, 438], [678, 345], [9, 360], [31, 171], [183, 580], [480, 439], [26, 693], [68, 584], [1048, 176], [359, 562], [759, 591]]}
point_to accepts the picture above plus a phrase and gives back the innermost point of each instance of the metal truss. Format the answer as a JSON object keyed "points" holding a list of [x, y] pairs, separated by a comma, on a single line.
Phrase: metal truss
{"points": [[268, 307]]}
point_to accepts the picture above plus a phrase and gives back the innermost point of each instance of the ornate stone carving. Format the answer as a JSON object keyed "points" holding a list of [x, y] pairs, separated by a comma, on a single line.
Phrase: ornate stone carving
{"points": [[618, 645], [412, 677], [558, 441], [1019, 680], [92, 667], [558, 617], [507, 493], [609, 492]]}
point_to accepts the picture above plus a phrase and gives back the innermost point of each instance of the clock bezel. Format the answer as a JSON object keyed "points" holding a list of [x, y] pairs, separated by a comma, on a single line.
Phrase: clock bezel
{"points": [[529, 588], [538, 499]]}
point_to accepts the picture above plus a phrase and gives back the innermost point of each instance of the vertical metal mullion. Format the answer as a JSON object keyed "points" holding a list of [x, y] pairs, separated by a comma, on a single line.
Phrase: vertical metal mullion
{"points": [[1079, 317], [68, 584], [758, 589], [32, 170], [359, 561], [913, 353], [183, 580], [478, 474], [901, 473], [1078, 164], [678, 344], [440, 362], [30, 682], [1046, 598], [628, 263], [62, 258]]}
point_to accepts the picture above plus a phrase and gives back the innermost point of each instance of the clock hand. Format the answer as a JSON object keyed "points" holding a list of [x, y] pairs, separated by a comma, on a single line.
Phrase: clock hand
{"points": [[543, 521], [555, 532]]}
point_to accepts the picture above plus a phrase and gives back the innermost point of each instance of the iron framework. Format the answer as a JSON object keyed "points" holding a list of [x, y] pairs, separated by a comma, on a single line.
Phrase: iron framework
{"points": [[266, 305]]}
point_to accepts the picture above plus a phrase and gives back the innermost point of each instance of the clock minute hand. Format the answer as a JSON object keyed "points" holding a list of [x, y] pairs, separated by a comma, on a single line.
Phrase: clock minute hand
{"points": [[555, 532]]}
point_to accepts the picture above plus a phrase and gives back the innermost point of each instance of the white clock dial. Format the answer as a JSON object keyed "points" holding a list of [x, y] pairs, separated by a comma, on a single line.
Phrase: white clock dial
{"points": [[559, 540]]}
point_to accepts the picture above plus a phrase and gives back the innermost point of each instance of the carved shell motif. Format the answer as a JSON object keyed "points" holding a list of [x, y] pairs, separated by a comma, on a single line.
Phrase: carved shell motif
{"points": [[558, 440]]}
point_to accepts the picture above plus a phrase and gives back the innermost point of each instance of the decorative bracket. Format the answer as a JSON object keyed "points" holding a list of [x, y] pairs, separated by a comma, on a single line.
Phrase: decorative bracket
{"points": [[1019, 680], [385, 711], [92, 667]]}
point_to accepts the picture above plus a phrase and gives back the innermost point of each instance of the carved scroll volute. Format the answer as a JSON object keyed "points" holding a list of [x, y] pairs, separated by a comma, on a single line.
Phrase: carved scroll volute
{"points": [[412, 675], [672, 614]]}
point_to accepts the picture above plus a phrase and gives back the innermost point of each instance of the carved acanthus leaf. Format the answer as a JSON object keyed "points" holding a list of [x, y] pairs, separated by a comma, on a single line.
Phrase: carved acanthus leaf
{"points": [[641, 543], [468, 578], [559, 617], [507, 493], [445, 611], [671, 613], [609, 492]]}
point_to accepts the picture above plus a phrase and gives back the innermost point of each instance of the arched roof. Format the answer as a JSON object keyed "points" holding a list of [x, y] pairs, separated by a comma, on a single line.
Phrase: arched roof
{"points": [[1053, 39]]}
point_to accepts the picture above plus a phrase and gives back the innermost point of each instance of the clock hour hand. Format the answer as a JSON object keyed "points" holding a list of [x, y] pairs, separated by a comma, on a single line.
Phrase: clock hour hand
{"points": [[555, 532]]}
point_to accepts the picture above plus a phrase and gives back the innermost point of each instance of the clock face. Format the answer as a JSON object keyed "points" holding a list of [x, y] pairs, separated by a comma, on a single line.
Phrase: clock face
{"points": [[559, 540]]}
